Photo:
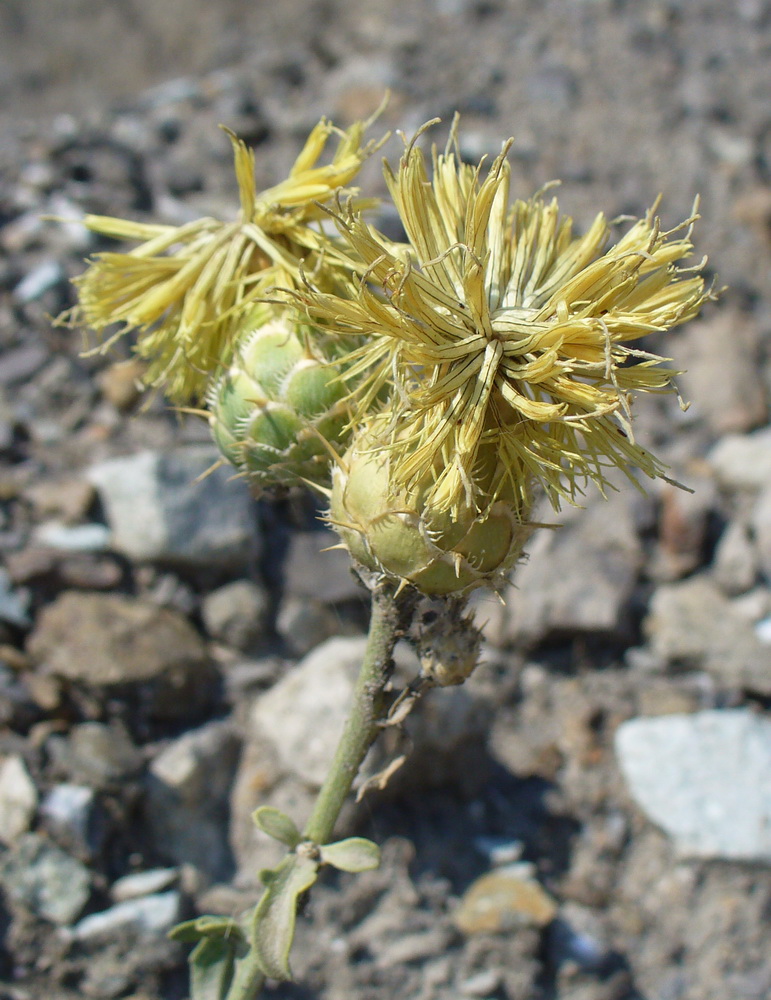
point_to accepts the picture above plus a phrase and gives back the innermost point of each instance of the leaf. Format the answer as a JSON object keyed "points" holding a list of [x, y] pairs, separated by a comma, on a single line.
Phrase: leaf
{"points": [[356, 854], [277, 825], [208, 927], [211, 968], [276, 913]]}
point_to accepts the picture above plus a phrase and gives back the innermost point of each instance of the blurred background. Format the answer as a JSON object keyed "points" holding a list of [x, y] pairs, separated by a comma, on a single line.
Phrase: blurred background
{"points": [[168, 649]]}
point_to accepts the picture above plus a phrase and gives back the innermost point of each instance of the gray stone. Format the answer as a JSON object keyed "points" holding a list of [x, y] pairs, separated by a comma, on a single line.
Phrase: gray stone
{"points": [[148, 916], [721, 373], [108, 642], [13, 603], [41, 878], [96, 754], [18, 799], [683, 526], [162, 506], [315, 569], [703, 778], [39, 280], [304, 624], [761, 523], [743, 461], [237, 613], [579, 577], [68, 811], [187, 799], [692, 624], [735, 563]]}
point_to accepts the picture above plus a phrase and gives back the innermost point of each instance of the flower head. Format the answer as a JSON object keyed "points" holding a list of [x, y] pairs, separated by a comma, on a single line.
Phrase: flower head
{"points": [[186, 289], [505, 335]]}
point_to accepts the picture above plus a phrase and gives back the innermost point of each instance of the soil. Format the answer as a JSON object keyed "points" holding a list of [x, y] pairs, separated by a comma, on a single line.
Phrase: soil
{"points": [[114, 109]]}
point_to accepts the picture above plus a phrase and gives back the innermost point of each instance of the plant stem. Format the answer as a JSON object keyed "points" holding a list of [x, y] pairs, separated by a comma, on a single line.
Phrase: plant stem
{"points": [[390, 616]]}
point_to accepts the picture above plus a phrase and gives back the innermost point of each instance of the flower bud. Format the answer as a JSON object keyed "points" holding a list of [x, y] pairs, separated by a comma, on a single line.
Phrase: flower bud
{"points": [[393, 532], [276, 408]]}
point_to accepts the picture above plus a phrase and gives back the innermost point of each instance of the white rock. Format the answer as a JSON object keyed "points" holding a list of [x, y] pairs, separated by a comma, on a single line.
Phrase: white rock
{"points": [[303, 715], [140, 884], [150, 916], [68, 810], [18, 799], [704, 779], [73, 538]]}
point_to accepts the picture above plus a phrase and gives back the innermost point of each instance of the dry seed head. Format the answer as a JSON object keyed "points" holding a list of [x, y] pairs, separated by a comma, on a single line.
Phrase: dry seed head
{"points": [[498, 327], [186, 290]]}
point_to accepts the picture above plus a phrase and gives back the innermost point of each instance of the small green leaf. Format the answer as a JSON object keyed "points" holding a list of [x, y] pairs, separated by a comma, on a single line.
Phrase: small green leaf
{"points": [[276, 913], [356, 854], [211, 968], [208, 927], [277, 825]]}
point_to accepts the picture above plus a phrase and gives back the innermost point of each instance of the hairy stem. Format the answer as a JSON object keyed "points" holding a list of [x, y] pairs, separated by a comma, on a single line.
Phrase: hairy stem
{"points": [[390, 617]]}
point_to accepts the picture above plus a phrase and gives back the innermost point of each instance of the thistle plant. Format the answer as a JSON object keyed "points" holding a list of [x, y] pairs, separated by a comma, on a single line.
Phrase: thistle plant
{"points": [[431, 390]]}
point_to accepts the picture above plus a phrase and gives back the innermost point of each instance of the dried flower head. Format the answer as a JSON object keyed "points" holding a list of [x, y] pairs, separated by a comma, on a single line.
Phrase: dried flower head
{"points": [[186, 289], [503, 334]]}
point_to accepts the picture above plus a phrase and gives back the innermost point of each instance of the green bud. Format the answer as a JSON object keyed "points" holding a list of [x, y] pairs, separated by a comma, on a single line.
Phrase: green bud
{"points": [[279, 406], [393, 532]]}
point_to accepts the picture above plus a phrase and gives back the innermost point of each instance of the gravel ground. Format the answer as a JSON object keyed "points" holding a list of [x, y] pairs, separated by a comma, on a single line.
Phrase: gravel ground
{"points": [[588, 819]]}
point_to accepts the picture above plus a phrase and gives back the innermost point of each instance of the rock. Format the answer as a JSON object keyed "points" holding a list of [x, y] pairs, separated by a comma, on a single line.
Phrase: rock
{"points": [[683, 527], [159, 509], [20, 363], [145, 883], [721, 373], [304, 624], [100, 756], [761, 523], [735, 562], [703, 778], [148, 916], [503, 900], [18, 799], [115, 645], [693, 625], [120, 383], [187, 799], [33, 285], [552, 597], [579, 936], [44, 880], [73, 538], [743, 461], [66, 498], [13, 603], [237, 614], [316, 569], [302, 716], [69, 813]]}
